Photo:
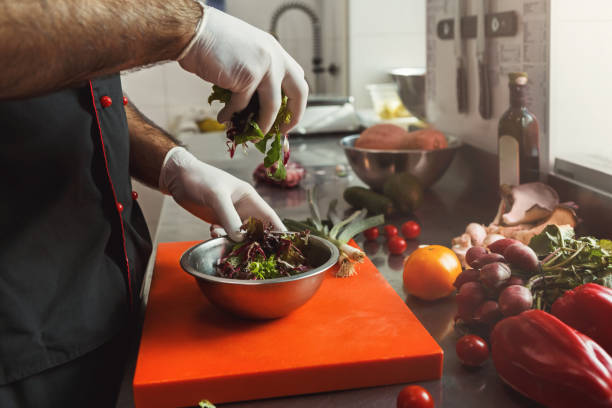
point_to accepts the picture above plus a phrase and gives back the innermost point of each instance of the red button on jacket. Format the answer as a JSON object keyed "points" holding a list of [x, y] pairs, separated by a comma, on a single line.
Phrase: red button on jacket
{"points": [[134, 195], [106, 101], [119, 207], [125, 101]]}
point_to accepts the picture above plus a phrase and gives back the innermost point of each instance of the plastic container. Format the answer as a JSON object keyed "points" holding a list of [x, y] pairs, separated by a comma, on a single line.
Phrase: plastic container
{"points": [[386, 101]]}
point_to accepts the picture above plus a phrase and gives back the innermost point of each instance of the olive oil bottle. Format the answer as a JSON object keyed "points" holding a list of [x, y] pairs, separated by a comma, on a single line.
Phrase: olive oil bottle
{"points": [[519, 140]]}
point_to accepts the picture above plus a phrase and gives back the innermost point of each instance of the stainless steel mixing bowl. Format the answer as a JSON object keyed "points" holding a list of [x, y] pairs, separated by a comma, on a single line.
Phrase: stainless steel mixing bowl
{"points": [[257, 299], [411, 84], [374, 167]]}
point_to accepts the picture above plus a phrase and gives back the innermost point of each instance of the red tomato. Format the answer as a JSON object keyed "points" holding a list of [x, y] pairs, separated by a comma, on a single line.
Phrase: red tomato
{"points": [[472, 350], [411, 230], [397, 245], [371, 233], [390, 231], [414, 396]]}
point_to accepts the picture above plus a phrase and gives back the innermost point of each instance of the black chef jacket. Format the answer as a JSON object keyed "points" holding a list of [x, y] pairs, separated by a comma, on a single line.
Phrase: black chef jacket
{"points": [[73, 241]]}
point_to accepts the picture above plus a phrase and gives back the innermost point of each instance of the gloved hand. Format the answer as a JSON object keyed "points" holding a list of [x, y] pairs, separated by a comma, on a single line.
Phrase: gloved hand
{"points": [[213, 194], [237, 56]]}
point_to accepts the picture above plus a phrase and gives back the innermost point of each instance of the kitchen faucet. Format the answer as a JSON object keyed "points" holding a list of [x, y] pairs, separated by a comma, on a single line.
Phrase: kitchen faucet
{"points": [[317, 58]]}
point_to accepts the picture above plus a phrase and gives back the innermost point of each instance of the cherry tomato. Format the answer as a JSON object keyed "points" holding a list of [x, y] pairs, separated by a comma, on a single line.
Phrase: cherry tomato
{"points": [[371, 233], [390, 231], [414, 396], [397, 245], [411, 230], [472, 350]]}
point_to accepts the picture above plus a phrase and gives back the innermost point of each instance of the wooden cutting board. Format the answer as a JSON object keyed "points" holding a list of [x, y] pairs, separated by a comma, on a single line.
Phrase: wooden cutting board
{"points": [[354, 332]]}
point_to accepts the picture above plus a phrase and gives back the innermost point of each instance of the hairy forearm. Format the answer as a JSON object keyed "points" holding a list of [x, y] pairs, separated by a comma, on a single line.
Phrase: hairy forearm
{"points": [[148, 146], [48, 45]]}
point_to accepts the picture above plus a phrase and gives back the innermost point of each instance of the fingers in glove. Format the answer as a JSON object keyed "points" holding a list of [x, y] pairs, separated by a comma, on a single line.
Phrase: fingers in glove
{"points": [[228, 217], [255, 206], [217, 231], [296, 89], [270, 98], [238, 102]]}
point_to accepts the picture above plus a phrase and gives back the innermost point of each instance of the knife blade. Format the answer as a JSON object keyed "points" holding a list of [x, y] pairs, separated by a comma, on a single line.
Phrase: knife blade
{"points": [[484, 104], [462, 97]]}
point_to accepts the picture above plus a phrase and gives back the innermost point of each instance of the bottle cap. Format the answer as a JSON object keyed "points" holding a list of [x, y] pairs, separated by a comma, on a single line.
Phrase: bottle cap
{"points": [[517, 78]]}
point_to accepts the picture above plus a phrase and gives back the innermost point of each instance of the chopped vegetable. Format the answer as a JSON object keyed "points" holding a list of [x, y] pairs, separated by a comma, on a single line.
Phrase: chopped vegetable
{"points": [[244, 128], [337, 231], [265, 255], [567, 262], [206, 404]]}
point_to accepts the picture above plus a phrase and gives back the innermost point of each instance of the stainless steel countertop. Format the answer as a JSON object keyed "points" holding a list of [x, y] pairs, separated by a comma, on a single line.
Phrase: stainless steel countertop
{"points": [[458, 198]]}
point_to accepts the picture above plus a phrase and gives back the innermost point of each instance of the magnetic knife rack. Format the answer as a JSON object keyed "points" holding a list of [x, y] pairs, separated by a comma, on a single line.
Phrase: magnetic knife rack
{"points": [[503, 24]]}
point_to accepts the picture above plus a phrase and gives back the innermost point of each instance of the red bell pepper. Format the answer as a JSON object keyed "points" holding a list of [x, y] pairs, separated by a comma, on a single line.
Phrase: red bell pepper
{"points": [[546, 360], [588, 309]]}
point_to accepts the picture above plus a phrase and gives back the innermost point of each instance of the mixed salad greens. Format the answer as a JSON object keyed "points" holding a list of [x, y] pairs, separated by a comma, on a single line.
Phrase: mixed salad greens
{"points": [[244, 128], [264, 254], [337, 230], [568, 262]]}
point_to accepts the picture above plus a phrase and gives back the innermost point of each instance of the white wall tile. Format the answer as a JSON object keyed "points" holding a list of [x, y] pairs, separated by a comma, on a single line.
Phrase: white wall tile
{"points": [[372, 57], [145, 86], [383, 35], [185, 88], [386, 16]]}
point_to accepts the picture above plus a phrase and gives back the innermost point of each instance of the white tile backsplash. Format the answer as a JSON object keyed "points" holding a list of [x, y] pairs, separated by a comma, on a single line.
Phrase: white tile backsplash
{"points": [[387, 16], [383, 35], [184, 88]]}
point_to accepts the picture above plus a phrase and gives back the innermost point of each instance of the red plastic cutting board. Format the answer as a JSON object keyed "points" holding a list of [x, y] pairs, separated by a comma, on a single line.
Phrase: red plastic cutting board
{"points": [[354, 332]]}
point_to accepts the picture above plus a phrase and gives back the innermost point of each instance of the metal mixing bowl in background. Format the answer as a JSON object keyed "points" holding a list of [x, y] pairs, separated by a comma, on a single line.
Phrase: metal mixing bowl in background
{"points": [[374, 167], [257, 299], [411, 84]]}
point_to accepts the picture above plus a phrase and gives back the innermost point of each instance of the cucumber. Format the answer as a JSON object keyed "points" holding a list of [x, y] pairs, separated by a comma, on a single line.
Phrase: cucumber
{"points": [[405, 191], [360, 197]]}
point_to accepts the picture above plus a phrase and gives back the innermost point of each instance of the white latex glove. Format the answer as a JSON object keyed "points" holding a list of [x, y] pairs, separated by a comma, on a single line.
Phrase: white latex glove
{"points": [[237, 56], [213, 194]]}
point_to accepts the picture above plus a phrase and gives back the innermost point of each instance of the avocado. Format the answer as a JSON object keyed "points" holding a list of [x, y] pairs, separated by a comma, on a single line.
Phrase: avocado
{"points": [[405, 191]]}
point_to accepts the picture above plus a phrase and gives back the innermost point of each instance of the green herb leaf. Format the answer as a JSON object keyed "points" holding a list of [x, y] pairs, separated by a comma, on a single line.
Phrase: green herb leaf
{"points": [[550, 238], [253, 133], [219, 94], [275, 152], [606, 244]]}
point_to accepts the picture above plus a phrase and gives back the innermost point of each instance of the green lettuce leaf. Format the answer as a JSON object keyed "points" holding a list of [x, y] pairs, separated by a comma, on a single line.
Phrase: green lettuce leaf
{"points": [[252, 133], [550, 239]]}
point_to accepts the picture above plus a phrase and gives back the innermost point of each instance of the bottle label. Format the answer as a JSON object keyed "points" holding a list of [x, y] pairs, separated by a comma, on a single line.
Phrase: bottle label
{"points": [[508, 151]]}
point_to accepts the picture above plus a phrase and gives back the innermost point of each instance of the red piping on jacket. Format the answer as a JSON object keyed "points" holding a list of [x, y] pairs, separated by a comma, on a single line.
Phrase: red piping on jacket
{"points": [[127, 262]]}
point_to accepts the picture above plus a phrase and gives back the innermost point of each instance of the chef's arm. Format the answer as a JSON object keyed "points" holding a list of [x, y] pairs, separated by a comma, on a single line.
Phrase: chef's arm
{"points": [[148, 146], [48, 45], [207, 192]]}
